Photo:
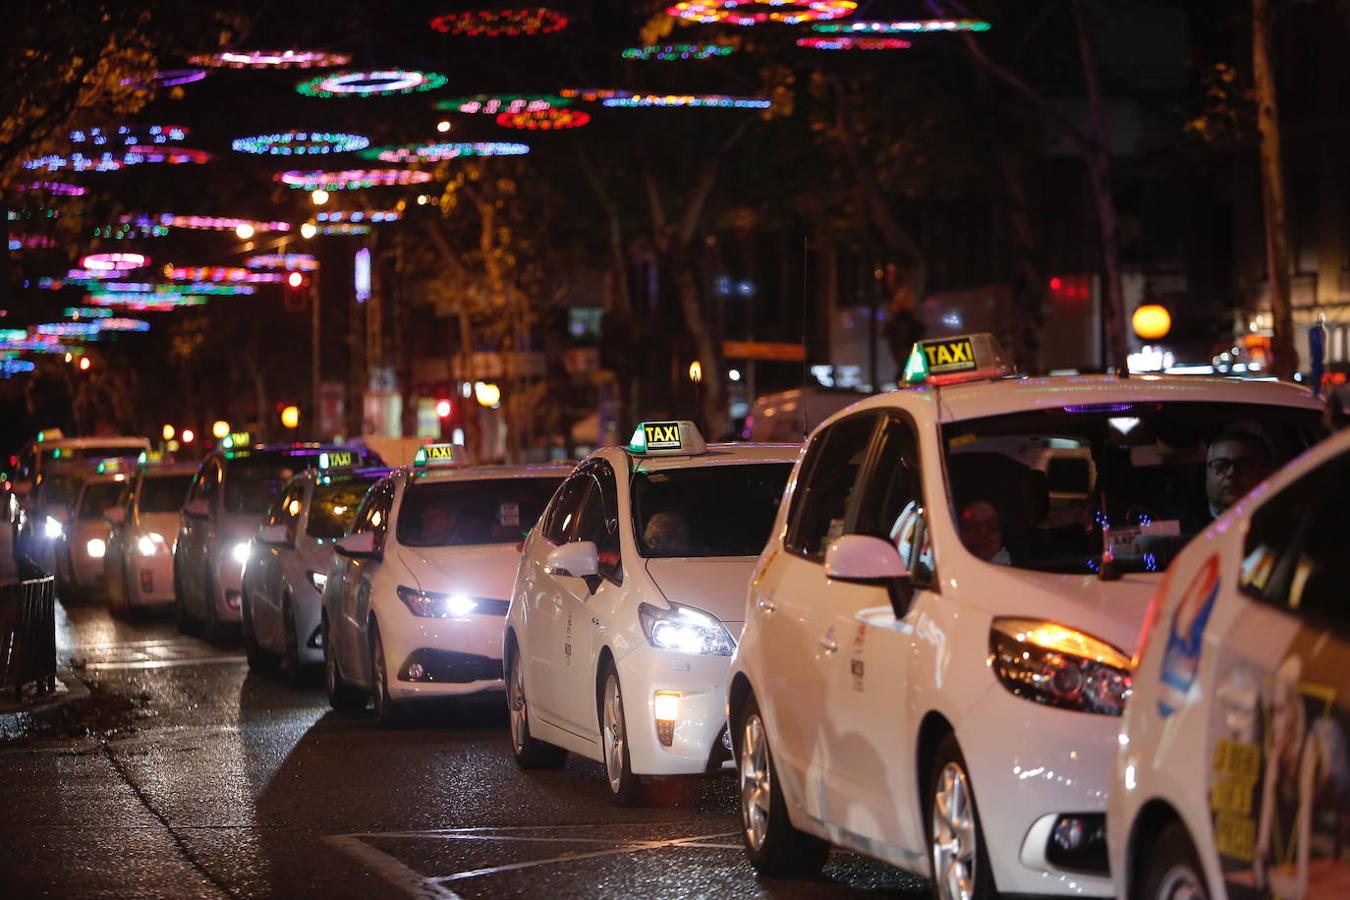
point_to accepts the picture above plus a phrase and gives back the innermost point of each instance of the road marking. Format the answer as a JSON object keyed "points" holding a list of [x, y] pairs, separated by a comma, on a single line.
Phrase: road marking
{"points": [[393, 871]]}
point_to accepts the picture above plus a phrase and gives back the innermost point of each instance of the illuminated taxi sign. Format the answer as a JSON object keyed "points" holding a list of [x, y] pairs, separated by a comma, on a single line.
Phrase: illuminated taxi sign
{"points": [[49, 434], [435, 455], [237, 439], [109, 466], [675, 438], [970, 357], [149, 458], [337, 459]]}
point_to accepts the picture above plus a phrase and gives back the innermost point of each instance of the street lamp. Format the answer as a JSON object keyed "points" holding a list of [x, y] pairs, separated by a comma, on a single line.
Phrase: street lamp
{"points": [[189, 435], [244, 231], [308, 230], [290, 416], [219, 429], [319, 196], [168, 432]]}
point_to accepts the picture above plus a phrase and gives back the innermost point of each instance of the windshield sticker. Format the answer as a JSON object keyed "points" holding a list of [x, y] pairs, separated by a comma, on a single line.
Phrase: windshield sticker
{"points": [[961, 440], [1181, 659], [508, 515], [1137, 542]]}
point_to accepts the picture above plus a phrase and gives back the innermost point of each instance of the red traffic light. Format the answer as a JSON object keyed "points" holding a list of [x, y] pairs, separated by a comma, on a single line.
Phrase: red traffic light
{"points": [[295, 279], [443, 409]]}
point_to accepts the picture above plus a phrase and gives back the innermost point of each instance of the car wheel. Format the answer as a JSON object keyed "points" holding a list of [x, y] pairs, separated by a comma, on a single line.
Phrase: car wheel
{"points": [[955, 840], [530, 753], [386, 708], [341, 695], [291, 659], [624, 786], [258, 658], [1171, 869], [772, 844]]}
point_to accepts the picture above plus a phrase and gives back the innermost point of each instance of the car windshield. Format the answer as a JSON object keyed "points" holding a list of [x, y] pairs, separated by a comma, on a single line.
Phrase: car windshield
{"points": [[707, 510], [59, 490], [333, 507], [458, 513], [1046, 490], [252, 481], [164, 493], [99, 496]]}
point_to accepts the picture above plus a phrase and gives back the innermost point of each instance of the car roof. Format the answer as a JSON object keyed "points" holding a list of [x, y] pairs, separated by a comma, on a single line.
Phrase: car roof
{"points": [[77, 443], [107, 478], [485, 473], [716, 455]]}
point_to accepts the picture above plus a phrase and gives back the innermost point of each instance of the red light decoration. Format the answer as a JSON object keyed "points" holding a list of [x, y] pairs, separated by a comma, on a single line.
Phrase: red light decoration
{"points": [[501, 22], [783, 12], [592, 95], [544, 119], [853, 43], [30, 242], [114, 262], [270, 59], [351, 179]]}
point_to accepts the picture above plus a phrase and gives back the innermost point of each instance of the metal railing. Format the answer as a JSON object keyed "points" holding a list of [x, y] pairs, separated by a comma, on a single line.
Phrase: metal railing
{"points": [[28, 633]]}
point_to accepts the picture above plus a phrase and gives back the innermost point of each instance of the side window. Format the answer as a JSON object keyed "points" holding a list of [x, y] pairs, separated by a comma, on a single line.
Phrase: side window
{"points": [[207, 483], [287, 507], [374, 512], [831, 471], [562, 515], [598, 519], [890, 503]]}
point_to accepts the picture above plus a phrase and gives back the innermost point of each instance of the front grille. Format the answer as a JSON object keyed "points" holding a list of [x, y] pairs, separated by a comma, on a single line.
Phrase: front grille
{"points": [[449, 667]]}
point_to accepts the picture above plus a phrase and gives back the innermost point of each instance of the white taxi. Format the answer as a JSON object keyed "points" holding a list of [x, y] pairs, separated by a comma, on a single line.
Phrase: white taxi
{"points": [[1233, 777], [84, 534], [138, 565], [413, 606], [939, 631], [630, 600]]}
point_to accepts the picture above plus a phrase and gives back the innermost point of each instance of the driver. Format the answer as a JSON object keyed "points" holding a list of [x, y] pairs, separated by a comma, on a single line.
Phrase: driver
{"points": [[981, 528], [667, 533], [439, 525], [1236, 462]]}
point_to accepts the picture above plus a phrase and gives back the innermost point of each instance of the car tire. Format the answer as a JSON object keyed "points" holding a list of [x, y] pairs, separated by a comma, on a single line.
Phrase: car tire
{"points": [[387, 710], [773, 845], [258, 658], [956, 847], [530, 753], [341, 695], [624, 786], [1171, 868]]}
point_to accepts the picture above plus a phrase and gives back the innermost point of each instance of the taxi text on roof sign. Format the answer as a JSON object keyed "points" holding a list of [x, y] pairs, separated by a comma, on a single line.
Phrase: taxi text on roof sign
{"points": [[237, 439], [149, 457], [970, 357], [337, 459], [676, 438], [434, 455]]}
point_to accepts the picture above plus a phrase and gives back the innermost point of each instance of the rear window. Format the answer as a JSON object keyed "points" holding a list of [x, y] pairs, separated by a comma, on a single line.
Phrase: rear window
{"points": [[100, 496], [91, 453], [252, 481], [461, 513], [708, 510], [332, 510], [164, 493]]}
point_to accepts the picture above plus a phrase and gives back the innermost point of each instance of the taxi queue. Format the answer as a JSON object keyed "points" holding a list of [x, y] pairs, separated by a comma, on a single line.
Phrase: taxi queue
{"points": [[1069, 635]]}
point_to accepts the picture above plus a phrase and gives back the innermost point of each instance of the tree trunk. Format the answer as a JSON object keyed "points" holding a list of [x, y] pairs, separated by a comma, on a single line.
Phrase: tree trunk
{"points": [[1028, 285], [1284, 358]]}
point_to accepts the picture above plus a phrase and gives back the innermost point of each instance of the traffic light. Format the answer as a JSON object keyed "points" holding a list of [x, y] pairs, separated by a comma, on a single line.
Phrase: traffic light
{"points": [[297, 292], [444, 408]]}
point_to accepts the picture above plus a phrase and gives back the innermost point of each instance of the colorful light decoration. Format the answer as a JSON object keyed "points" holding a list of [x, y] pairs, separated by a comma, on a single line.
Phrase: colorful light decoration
{"points": [[297, 262], [114, 262], [147, 303], [677, 52], [270, 59], [374, 217], [76, 162], [85, 312], [741, 12], [853, 43], [494, 104], [441, 152], [902, 27], [370, 84], [173, 156], [501, 22], [216, 274], [124, 232], [9, 367], [68, 329], [166, 79], [203, 223], [340, 228], [592, 95], [119, 323], [351, 179], [211, 288], [301, 143], [544, 119], [57, 188], [719, 101], [128, 135], [30, 242]]}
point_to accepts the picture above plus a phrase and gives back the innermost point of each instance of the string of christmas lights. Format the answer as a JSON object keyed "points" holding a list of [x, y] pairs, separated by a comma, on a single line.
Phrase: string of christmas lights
{"points": [[342, 228], [129, 135], [30, 242], [501, 22], [76, 162], [270, 59], [719, 101], [124, 232], [121, 323], [739, 12], [113, 262], [902, 27], [369, 84], [301, 143], [592, 95], [57, 188], [853, 43], [351, 179], [203, 223], [441, 152], [544, 119], [174, 156], [677, 52], [154, 303], [11, 366], [85, 312], [295, 262], [68, 329], [211, 288], [218, 274], [494, 104], [374, 217]]}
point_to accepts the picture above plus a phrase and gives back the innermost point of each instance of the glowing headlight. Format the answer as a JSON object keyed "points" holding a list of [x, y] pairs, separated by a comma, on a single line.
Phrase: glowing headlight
{"points": [[151, 543], [685, 630], [318, 579], [239, 552], [95, 548], [430, 604], [1058, 666], [52, 528]]}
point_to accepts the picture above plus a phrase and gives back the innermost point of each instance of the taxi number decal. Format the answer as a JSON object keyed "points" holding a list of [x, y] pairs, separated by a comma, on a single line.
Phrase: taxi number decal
{"points": [[508, 515], [441, 452], [950, 356], [662, 435]]}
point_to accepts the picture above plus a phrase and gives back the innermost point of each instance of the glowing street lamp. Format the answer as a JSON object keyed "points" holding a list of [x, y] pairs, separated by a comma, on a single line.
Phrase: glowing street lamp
{"points": [[308, 230], [290, 416], [319, 196], [168, 432], [1151, 321], [487, 393], [245, 231], [220, 429], [189, 435]]}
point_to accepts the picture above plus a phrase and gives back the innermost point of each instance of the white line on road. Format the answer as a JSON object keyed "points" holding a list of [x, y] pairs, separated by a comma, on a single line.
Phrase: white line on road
{"points": [[393, 871]]}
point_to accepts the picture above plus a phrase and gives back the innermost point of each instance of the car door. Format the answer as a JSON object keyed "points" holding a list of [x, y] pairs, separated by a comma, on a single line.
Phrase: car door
{"points": [[799, 638], [867, 725], [267, 562], [191, 556], [359, 582]]}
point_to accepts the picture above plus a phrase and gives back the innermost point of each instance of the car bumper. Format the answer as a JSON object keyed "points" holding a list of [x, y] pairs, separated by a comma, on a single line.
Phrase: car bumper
{"points": [[695, 740], [151, 580], [86, 571], [228, 577], [456, 656], [1029, 765], [308, 606]]}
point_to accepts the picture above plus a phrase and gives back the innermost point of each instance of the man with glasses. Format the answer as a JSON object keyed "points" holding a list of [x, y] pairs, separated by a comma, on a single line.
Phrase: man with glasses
{"points": [[1237, 461]]}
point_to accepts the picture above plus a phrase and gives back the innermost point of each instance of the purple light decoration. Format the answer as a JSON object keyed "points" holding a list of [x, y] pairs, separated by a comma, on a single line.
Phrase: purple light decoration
{"points": [[362, 274], [167, 78]]}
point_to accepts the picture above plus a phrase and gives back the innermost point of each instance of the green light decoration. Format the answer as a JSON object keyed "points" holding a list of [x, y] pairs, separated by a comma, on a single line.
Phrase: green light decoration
{"points": [[912, 26], [677, 52], [370, 84]]}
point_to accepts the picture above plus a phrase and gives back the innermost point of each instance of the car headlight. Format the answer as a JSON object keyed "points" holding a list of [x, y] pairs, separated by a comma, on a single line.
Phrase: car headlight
{"points": [[1059, 666], [151, 543], [685, 630], [318, 579], [239, 552], [433, 605], [95, 548], [52, 528]]}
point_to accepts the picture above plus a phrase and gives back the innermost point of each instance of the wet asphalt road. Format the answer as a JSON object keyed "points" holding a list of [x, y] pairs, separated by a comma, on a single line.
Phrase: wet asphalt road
{"points": [[192, 776]]}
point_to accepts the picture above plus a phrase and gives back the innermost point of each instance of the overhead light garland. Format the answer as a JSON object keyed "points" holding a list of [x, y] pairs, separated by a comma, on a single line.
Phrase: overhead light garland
{"points": [[501, 22], [86, 312], [203, 223], [166, 79], [174, 156], [902, 27], [270, 59], [370, 84], [853, 43], [301, 143], [677, 52], [494, 104], [351, 179], [68, 329], [719, 101], [212, 288], [11, 366], [129, 135], [373, 217], [544, 119], [341, 228], [216, 274], [114, 262], [295, 262], [120, 323], [125, 232], [740, 12], [57, 188], [147, 302], [30, 242], [440, 152], [76, 162], [593, 95]]}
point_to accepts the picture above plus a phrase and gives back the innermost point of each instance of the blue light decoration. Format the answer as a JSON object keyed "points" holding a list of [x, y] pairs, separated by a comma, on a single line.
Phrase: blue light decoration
{"points": [[718, 101], [910, 26], [374, 217], [86, 312], [165, 79], [68, 329], [495, 104], [362, 274], [129, 135], [301, 143], [76, 162], [11, 366], [291, 262]]}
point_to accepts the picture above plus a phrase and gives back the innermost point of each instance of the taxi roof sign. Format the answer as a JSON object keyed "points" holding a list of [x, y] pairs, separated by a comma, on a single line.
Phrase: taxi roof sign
{"points": [[672, 438], [237, 439], [149, 458], [337, 459], [50, 434], [949, 360], [436, 455]]}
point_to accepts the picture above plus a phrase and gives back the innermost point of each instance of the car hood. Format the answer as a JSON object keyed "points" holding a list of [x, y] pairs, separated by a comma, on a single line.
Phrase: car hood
{"points": [[487, 571], [713, 584], [1110, 610]]}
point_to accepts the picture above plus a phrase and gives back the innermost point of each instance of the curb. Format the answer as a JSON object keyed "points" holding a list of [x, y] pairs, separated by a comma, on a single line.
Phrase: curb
{"points": [[17, 720]]}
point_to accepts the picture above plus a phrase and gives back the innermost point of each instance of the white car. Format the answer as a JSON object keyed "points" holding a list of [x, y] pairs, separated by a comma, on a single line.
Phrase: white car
{"points": [[291, 555], [84, 535], [630, 600], [138, 564], [939, 630], [413, 606], [1233, 777]]}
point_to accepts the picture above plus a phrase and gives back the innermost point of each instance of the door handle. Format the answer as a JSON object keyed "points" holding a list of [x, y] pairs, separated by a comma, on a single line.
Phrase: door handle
{"points": [[828, 643], [766, 604]]}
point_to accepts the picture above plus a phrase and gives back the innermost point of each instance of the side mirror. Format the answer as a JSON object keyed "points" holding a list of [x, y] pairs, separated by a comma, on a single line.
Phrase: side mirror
{"points": [[580, 559], [864, 559], [197, 509], [357, 546], [116, 515], [274, 536]]}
